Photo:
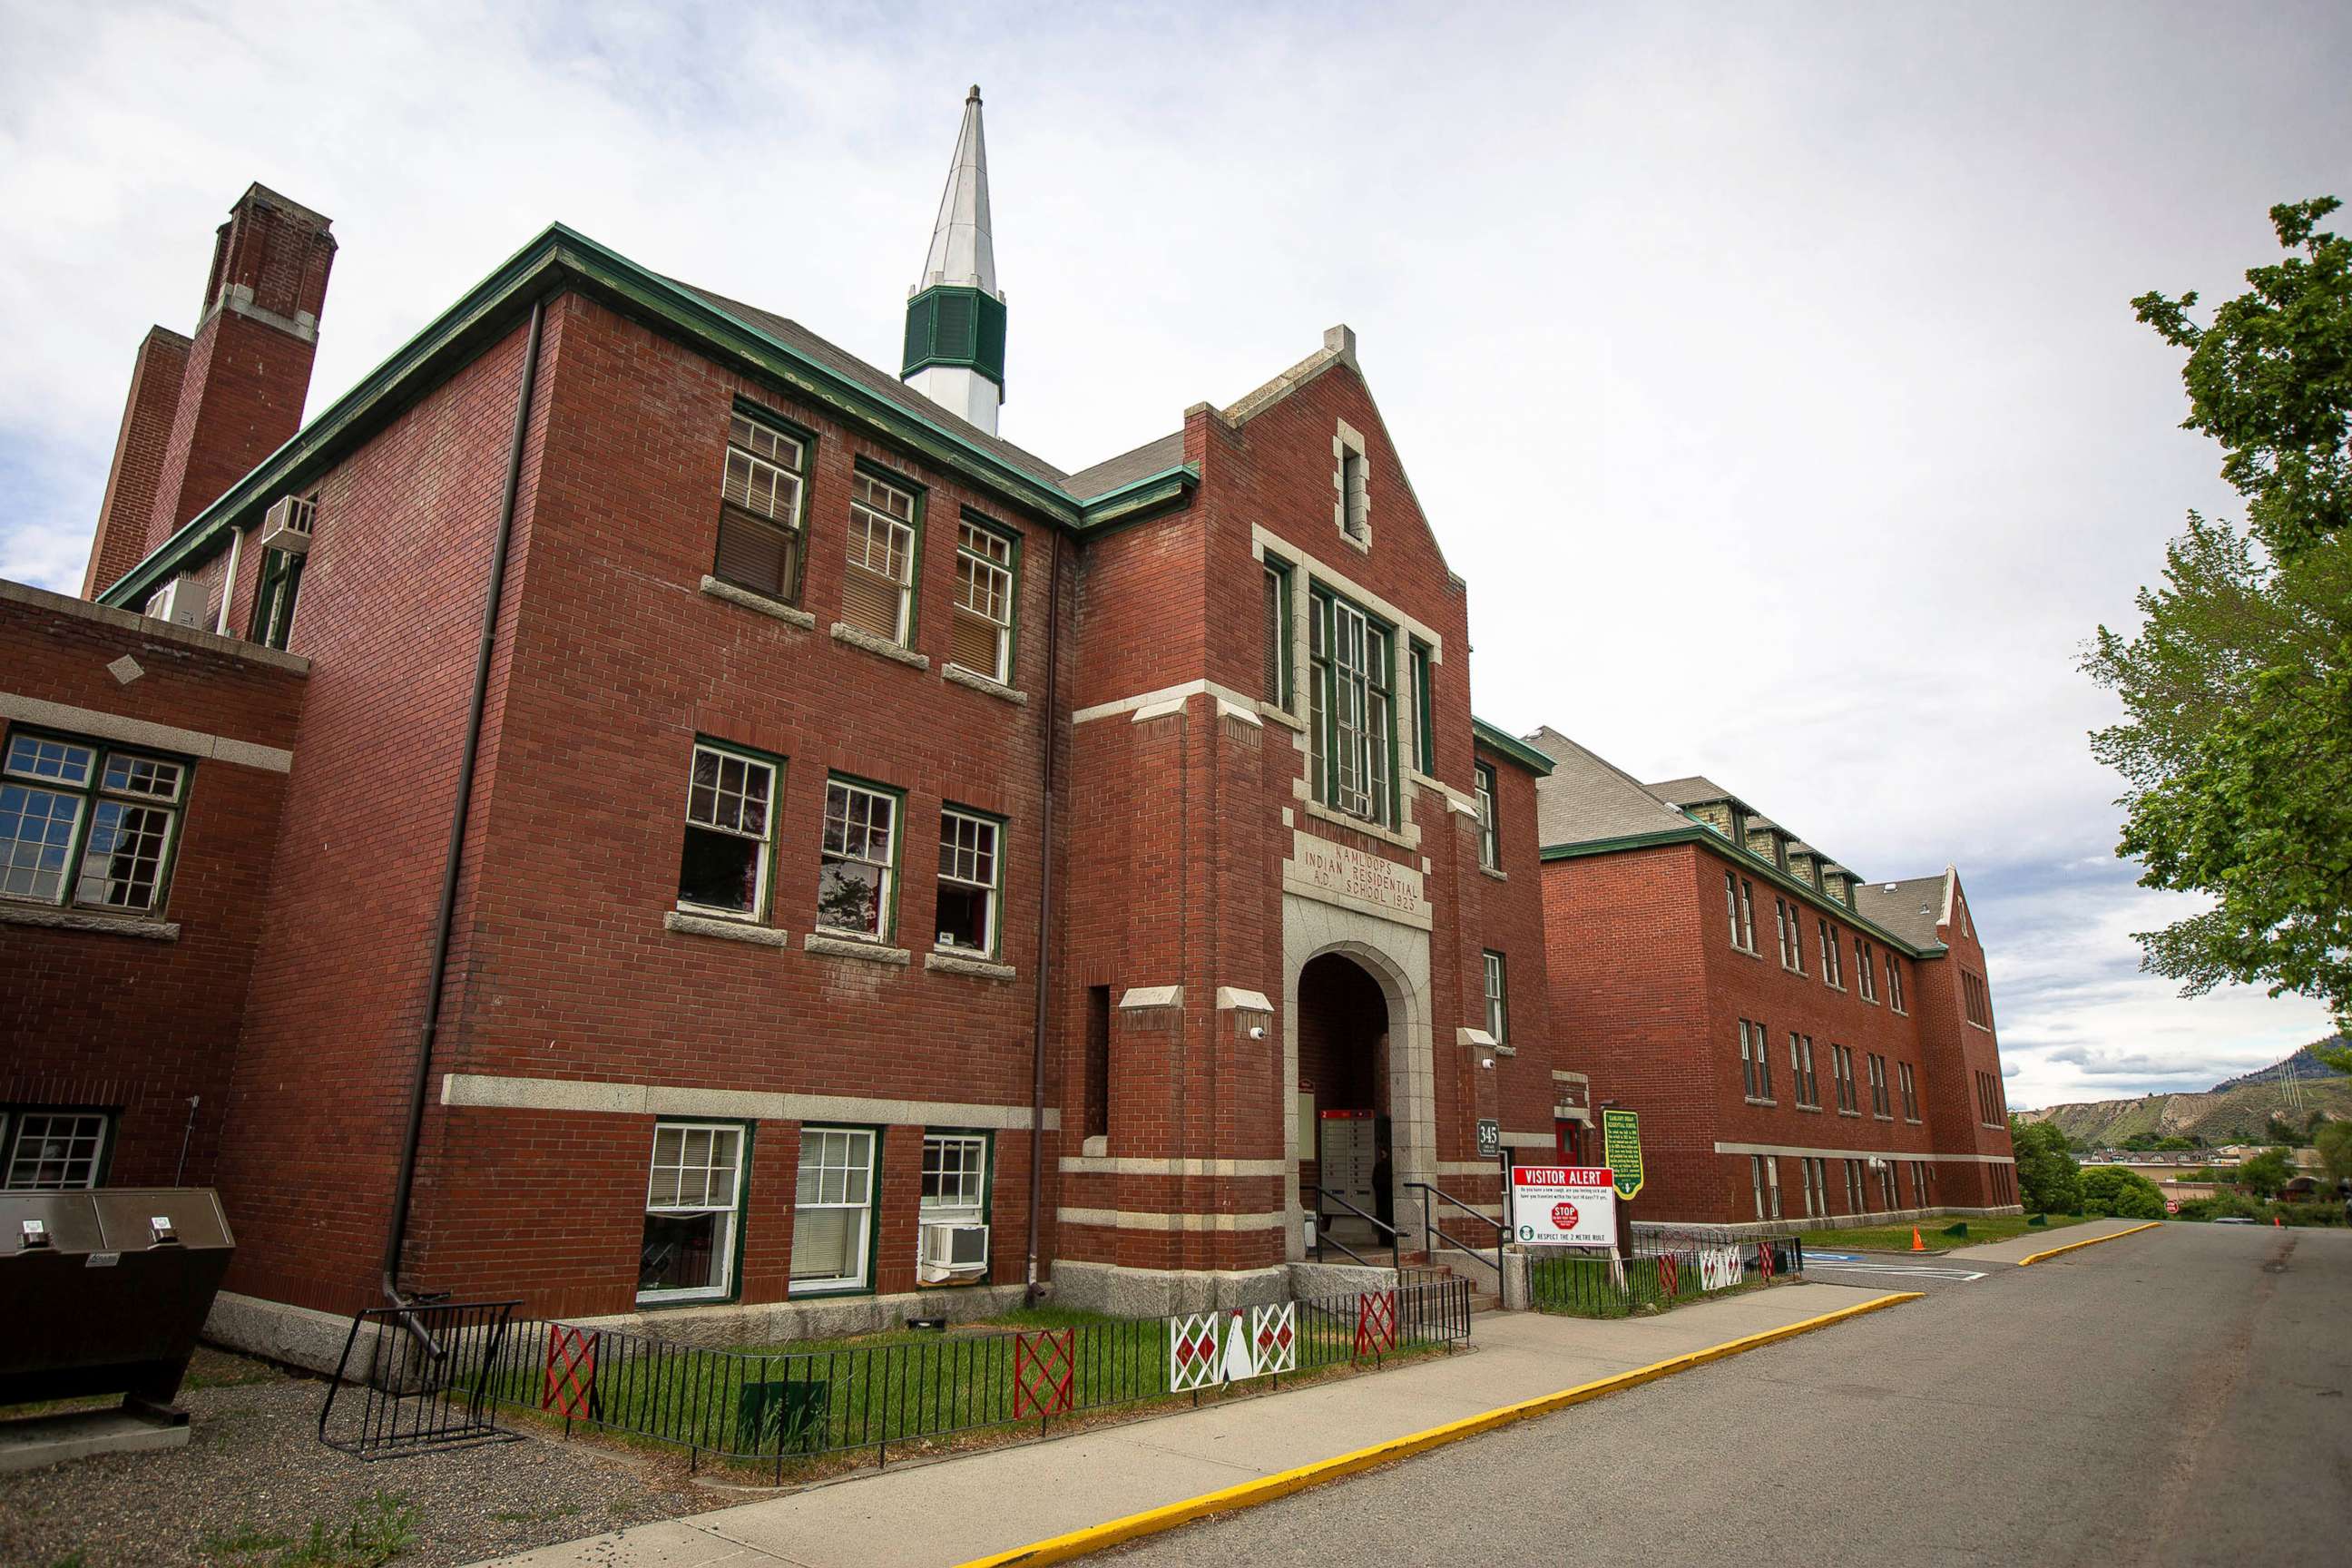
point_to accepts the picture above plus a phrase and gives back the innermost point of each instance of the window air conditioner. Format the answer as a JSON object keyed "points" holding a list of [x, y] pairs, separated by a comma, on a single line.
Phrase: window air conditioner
{"points": [[955, 1247], [180, 601], [287, 525]]}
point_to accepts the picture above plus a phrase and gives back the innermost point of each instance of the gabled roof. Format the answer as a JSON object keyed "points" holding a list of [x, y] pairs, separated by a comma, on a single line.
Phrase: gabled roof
{"points": [[1695, 790], [1587, 797], [1912, 909], [1153, 457]]}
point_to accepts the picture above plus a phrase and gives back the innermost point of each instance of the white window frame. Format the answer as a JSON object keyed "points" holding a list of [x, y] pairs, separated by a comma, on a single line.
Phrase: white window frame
{"points": [[1895, 984], [984, 577], [1865, 975], [862, 1275], [972, 1170], [1490, 836], [765, 838], [95, 791], [1497, 985], [870, 514], [954, 853], [725, 1249], [887, 886], [12, 1140]]}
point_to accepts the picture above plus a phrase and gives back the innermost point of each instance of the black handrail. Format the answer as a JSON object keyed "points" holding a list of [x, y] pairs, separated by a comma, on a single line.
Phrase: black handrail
{"points": [[1396, 1255], [1429, 1228]]}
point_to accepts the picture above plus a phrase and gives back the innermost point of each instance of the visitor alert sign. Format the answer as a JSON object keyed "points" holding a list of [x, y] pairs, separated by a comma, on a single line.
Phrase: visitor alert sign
{"points": [[1563, 1206]]}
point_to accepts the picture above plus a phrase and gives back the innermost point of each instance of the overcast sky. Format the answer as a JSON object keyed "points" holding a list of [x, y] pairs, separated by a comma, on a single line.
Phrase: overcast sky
{"points": [[1767, 371]]}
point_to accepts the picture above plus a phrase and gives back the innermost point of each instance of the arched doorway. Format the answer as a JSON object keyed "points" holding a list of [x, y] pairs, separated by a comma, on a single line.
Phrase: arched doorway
{"points": [[1345, 1141]]}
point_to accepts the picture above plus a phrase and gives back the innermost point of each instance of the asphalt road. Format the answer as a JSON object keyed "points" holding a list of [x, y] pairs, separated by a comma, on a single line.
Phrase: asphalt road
{"points": [[2182, 1396]]}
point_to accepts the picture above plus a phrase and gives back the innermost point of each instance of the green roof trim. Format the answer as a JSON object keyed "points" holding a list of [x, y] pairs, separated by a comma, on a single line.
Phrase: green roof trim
{"points": [[560, 258], [1699, 833], [1511, 746]]}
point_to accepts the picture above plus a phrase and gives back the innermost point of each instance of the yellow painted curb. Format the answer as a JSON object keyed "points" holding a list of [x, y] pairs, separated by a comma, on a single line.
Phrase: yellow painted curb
{"points": [[1266, 1489], [2074, 1246]]}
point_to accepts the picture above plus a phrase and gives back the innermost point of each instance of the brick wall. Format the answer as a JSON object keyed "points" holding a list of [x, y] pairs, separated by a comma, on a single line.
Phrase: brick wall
{"points": [[121, 540]]}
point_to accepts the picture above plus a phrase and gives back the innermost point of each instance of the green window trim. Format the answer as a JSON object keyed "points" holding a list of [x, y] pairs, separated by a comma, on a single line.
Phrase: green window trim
{"points": [[93, 794], [880, 1134], [987, 1138], [896, 865], [274, 597], [667, 1301], [1424, 718], [1012, 536], [1280, 613], [1002, 825], [919, 495], [1490, 827], [1332, 613], [769, 863], [1495, 981]]}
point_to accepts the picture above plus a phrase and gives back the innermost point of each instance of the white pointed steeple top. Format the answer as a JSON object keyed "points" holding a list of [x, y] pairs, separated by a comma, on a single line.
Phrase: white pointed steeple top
{"points": [[961, 250]]}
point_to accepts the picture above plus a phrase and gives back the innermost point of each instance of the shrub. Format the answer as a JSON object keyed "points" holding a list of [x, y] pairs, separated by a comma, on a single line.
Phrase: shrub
{"points": [[2124, 1194]]}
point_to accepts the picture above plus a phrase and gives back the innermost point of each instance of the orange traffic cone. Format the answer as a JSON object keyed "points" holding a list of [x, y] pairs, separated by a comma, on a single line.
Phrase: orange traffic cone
{"points": [[1916, 1245], [2278, 1222]]}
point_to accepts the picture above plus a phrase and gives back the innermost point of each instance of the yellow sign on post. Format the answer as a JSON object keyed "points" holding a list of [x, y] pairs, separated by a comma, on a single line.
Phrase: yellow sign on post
{"points": [[1621, 1145]]}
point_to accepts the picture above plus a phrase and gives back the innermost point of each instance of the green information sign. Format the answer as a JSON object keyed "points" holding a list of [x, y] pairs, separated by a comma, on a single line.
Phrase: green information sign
{"points": [[1621, 1145]]}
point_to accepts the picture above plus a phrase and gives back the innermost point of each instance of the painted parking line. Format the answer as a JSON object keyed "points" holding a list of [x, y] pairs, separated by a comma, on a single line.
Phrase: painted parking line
{"points": [[1916, 1270]]}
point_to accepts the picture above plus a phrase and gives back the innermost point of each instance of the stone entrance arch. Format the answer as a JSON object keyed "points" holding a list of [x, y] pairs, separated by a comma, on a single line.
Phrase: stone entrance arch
{"points": [[1396, 956]]}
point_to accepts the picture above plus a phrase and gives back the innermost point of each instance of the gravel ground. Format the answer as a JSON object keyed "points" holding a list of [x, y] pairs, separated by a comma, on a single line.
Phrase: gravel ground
{"points": [[253, 1482]]}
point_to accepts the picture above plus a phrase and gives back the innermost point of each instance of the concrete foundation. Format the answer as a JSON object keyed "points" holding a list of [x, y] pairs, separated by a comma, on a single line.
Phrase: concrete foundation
{"points": [[36, 1442], [1155, 1293]]}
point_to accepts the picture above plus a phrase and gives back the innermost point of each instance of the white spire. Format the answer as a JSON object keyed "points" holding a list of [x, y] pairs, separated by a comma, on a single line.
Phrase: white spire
{"points": [[961, 251]]}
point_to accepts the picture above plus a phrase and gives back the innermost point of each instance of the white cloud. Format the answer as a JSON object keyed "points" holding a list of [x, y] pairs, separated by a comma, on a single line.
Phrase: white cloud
{"points": [[1767, 371]]}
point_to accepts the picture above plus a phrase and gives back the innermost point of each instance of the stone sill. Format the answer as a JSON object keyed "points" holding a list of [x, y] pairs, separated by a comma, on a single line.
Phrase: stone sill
{"points": [[90, 920], [1506, 1050], [686, 924], [973, 681], [843, 632], [1490, 872], [759, 603], [948, 962], [853, 947], [1815, 1110], [1855, 1114], [1754, 1099], [1281, 715]]}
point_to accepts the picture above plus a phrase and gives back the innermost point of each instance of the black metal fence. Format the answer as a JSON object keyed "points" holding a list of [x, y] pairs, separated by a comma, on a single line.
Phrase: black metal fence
{"points": [[1663, 1272], [419, 1378], [773, 1407]]}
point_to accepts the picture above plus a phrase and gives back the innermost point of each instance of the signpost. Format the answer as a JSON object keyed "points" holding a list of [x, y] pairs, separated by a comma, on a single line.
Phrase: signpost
{"points": [[1621, 1145], [1563, 1206], [1490, 1137]]}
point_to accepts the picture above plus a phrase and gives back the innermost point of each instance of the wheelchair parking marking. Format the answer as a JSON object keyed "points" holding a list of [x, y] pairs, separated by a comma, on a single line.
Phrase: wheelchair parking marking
{"points": [[1916, 1270]]}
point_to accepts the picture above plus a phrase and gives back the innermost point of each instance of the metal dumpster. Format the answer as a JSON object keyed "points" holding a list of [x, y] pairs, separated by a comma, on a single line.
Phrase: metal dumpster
{"points": [[104, 1291]]}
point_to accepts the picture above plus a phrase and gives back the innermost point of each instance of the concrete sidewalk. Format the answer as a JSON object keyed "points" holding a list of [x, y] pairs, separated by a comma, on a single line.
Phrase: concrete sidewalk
{"points": [[2035, 1241], [943, 1512]]}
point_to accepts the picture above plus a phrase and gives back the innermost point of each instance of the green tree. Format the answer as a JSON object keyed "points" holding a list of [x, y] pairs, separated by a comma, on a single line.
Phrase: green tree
{"points": [[2236, 741], [2125, 1194], [2048, 1178], [2265, 1173], [2333, 1141]]}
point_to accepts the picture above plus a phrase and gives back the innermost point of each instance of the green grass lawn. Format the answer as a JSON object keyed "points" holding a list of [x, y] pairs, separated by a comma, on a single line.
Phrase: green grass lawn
{"points": [[1897, 1237]]}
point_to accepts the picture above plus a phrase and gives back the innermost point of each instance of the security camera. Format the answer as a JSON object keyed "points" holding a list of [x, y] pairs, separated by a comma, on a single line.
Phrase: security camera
{"points": [[1487, 1062], [1258, 1031]]}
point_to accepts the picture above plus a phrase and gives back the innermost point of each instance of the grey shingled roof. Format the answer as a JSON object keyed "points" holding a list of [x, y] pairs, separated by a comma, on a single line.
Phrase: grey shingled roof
{"points": [[1907, 908], [1586, 796], [1151, 457], [1693, 791]]}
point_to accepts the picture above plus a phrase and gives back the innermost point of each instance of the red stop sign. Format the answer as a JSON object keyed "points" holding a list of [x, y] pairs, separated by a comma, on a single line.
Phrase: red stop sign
{"points": [[1564, 1215]]}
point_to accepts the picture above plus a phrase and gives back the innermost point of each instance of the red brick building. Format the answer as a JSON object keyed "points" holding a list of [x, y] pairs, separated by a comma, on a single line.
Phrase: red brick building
{"points": [[1802, 1045], [634, 808]]}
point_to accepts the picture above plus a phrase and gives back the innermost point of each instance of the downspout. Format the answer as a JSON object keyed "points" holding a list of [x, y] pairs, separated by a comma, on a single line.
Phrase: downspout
{"points": [[1045, 923], [396, 1235]]}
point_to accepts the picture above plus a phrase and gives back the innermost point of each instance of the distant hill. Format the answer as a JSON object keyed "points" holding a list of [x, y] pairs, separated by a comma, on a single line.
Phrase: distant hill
{"points": [[2306, 1063], [2235, 1111]]}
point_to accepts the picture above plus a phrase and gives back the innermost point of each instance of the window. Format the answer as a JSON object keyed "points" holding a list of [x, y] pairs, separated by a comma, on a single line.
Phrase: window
{"points": [[1817, 1187], [1854, 1187], [1424, 721], [968, 881], [86, 825], [1976, 1002], [694, 1201], [1920, 1198], [1865, 970], [1895, 983], [1800, 1070], [878, 584], [1849, 1099], [1355, 503], [1886, 1193], [980, 632], [833, 1209], [1499, 1001], [859, 861], [1755, 1060], [273, 600], [759, 509], [1490, 834], [1791, 933], [1990, 1108], [1747, 915], [955, 1176], [1764, 1176], [1277, 683], [53, 1151], [1351, 729], [1910, 1087], [1879, 1105], [1832, 959], [722, 869]]}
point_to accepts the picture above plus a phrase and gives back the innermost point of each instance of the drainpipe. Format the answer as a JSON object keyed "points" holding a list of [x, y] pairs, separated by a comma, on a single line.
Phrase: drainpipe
{"points": [[1044, 924], [396, 1234]]}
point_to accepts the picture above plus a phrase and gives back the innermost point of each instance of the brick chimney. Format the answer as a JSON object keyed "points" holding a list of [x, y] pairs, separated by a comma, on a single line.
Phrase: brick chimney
{"points": [[203, 411]]}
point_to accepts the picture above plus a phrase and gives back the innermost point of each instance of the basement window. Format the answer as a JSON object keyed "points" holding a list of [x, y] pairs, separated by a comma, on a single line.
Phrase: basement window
{"points": [[86, 825], [980, 632], [730, 834], [694, 1200], [969, 873], [877, 584], [856, 871], [52, 1151], [759, 509]]}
